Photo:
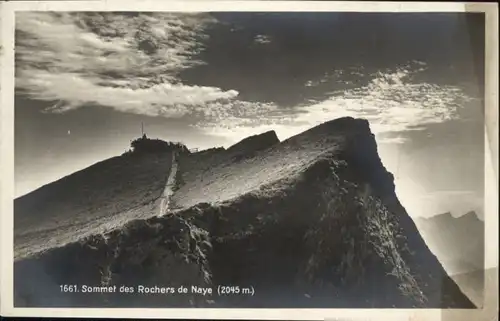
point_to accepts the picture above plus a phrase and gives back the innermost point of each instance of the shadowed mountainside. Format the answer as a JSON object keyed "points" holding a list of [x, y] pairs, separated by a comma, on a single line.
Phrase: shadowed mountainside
{"points": [[312, 221]]}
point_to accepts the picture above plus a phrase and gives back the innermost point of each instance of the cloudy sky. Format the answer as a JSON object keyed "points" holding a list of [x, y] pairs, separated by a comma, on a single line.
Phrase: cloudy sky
{"points": [[86, 81]]}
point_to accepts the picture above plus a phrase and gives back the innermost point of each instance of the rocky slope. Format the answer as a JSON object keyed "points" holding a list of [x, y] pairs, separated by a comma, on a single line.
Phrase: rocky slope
{"points": [[312, 221]]}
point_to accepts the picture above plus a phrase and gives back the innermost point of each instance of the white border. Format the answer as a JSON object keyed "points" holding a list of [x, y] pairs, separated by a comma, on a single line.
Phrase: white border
{"points": [[8, 10], [225, 5]]}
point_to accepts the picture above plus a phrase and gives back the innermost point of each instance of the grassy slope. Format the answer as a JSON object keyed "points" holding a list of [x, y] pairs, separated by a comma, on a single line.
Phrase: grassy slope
{"points": [[104, 194], [219, 176]]}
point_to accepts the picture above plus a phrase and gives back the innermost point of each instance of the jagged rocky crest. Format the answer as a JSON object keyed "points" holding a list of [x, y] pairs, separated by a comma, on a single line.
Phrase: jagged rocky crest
{"points": [[312, 221]]}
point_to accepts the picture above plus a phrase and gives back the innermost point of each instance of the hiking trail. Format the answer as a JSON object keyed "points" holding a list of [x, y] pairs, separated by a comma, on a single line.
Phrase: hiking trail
{"points": [[168, 191]]}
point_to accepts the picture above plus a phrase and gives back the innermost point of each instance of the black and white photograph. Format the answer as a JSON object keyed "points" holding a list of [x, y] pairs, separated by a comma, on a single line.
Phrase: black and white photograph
{"points": [[249, 159]]}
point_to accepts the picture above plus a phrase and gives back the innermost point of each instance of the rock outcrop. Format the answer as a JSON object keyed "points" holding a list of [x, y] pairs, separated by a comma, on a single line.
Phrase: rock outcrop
{"points": [[253, 144]]}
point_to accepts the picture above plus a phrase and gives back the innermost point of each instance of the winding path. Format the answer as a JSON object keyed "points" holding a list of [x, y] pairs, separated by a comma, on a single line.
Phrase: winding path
{"points": [[168, 191]]}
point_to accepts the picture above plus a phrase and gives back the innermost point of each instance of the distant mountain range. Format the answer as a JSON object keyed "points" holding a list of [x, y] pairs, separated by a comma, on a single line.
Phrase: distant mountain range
{"points": [[309, 222], [458, 242]]}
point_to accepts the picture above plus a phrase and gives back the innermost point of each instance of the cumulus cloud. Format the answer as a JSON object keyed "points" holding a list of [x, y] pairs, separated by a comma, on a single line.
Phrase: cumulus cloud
{"points": [[262, 39], [338, 76], [391, 101], [122, 61], [165, 99]]}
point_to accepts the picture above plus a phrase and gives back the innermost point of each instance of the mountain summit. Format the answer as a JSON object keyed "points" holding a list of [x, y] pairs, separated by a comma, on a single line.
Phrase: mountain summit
{"points": [[309, 222]]}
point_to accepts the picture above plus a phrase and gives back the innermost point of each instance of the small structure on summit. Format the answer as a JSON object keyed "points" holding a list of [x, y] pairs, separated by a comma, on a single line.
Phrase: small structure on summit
{"points": [[142, 131], [144, 144]]}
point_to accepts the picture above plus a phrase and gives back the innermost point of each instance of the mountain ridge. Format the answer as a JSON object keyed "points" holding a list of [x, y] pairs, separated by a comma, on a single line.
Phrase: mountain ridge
{"points": [[312, 221], [470, 215]]}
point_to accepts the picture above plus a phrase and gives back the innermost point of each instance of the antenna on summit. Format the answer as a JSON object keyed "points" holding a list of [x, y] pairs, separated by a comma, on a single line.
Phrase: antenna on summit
{"points": [[142, 130]]}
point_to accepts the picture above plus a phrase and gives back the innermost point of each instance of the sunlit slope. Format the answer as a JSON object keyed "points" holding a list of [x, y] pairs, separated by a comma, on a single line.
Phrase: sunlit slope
{"points": [[222, 175], [90, 201]]}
